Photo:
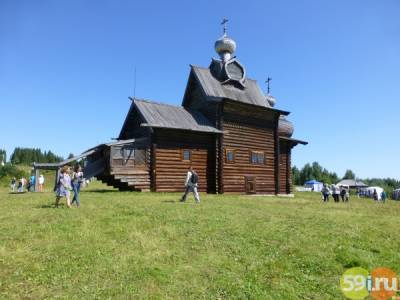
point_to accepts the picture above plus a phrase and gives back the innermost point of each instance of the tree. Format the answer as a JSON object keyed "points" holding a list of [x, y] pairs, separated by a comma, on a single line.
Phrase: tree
{"points": [[349, 175], [9, 171], [296, 176], [3, 155], [313, 171]]}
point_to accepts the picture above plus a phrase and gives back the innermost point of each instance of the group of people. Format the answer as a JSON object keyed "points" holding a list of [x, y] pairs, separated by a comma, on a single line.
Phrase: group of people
{"points": [[382, 197], [68, 181], [343, 192], [336, 192], [27, 184]]}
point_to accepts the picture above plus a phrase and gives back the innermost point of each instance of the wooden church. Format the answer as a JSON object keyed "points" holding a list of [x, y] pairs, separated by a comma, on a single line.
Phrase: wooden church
{"points": [[226, 129]]}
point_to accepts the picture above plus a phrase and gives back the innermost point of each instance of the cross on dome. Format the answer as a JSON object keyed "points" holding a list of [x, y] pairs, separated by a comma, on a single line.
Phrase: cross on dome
{"points": [[225, 46]]}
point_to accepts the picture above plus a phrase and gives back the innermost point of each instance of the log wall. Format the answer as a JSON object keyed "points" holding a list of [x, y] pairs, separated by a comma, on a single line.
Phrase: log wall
{"points": [[171, 169], [243, 139]]}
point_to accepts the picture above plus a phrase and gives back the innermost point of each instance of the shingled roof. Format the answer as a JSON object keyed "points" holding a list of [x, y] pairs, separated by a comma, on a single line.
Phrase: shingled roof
{"points": [[215, 90], [174, 117]]}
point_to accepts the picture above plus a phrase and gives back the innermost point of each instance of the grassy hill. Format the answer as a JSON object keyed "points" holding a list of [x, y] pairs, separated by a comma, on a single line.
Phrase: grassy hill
{"points": [[145, 245]]}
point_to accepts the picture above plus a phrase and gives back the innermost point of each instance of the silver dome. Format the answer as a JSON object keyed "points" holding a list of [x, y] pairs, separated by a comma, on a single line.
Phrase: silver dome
{"points": [[225, 46], [270, 99], [285, 127]]}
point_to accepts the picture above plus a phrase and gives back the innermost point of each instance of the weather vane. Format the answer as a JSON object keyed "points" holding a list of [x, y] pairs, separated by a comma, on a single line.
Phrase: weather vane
{"points": [[267, 82], [224, 21]]}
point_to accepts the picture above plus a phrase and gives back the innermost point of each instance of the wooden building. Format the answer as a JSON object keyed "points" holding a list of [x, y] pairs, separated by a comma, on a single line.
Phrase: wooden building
{"points": [[226, 129]]}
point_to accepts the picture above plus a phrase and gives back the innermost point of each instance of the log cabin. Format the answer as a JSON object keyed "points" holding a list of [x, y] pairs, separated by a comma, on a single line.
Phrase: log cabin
{"points": [[226, 129]]}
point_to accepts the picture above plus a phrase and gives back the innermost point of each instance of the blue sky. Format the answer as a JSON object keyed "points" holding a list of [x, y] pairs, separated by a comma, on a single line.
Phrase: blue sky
{"points": [[67, 69]]}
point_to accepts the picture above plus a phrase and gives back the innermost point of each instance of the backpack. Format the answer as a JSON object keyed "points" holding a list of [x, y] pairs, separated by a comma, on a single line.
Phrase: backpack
{"points": [[194, 178]]}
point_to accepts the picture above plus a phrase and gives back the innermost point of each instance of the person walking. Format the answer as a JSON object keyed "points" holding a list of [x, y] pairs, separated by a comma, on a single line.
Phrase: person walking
{"points": [[375, 195], [24, 183], [28, 186], [63, 187], [41, 182], [13, 184], [77, 179], [325, 193], [21, 185], [32, 181], [343, 194], [383, 196], [347, 195], [191, 184], [335, 193]]}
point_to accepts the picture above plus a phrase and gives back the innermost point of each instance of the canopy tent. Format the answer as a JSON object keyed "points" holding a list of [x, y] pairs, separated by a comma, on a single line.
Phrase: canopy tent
{"points": [[369, 191], [314, 185]]}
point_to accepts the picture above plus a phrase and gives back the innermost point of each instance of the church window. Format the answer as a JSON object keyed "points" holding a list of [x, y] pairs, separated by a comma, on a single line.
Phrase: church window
{"points": [[257, 157], [186, 155], [230, 155]]}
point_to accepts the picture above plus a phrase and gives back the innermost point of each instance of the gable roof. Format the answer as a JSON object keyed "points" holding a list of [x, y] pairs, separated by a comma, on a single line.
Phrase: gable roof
{"points": [[352, 183], [215, 90], [160, 115]]}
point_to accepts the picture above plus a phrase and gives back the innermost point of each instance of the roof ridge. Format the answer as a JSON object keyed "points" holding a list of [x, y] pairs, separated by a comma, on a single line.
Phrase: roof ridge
{"points": [[200, 67], [189, 110], [156, 102]]}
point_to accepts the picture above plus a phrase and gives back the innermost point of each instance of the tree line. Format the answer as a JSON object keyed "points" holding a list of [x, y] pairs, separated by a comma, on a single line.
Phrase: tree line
{"points": [[27, 156], [313, 171], [317, 172]]}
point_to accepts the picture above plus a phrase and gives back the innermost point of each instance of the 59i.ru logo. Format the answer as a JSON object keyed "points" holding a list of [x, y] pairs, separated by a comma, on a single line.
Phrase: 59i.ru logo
{"points": [[381, 284]]}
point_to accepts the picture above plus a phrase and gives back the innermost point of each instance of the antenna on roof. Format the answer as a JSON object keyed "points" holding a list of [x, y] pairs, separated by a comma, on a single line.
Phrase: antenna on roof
{"points": [[134, 85], [267, 82]]}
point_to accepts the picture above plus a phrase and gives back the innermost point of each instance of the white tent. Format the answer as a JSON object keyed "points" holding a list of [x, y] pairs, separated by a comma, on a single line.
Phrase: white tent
{"points": [[369, 191], [314, 185]]}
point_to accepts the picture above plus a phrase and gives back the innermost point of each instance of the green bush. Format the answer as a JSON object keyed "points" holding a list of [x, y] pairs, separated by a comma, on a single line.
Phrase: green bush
{"points": [[9, 171]]}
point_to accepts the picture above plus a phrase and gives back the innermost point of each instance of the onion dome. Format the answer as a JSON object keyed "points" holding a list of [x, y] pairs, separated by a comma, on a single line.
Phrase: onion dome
{"points": [[270, 100], [225, 47], [285, 127]]}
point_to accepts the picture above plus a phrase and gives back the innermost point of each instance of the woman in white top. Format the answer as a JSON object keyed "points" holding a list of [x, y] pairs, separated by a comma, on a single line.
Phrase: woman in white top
{"points": [[41, 182]]}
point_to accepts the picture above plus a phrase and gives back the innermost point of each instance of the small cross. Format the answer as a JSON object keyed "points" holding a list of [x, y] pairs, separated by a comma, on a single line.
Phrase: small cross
{"points": [[267, 82], [224, 21]]}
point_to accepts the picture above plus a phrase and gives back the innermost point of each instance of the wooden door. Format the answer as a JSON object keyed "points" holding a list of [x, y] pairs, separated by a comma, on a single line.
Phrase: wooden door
{"points": [[250, 182]]}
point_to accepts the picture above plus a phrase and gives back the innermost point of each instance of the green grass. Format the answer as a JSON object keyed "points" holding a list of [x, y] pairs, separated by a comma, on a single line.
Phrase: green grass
{"points": [[146, 245]]}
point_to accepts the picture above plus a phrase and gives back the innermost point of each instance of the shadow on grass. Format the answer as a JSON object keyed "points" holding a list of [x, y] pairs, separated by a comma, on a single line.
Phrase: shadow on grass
{"points": [[100, 191], [46, 206], [61, 206], [170, 201]]}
